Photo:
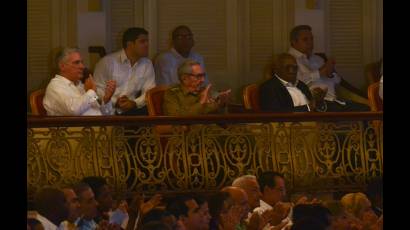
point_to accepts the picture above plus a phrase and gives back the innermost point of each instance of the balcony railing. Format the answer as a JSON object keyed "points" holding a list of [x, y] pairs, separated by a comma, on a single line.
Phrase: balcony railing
{"points": [[315, 151]]}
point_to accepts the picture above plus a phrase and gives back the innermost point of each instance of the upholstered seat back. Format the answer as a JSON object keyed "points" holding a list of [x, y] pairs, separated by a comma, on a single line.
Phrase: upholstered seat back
{"points": [[36, 102], [375, 102], [251, 97], [154, 98]]}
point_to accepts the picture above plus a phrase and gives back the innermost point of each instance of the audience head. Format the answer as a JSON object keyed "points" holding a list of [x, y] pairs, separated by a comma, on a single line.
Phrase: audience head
{"points": [[183, 40], [101, 190], [357, 205], [70, 64], [249, 183], [239, 198], [301, 38], [191, 75], [158, 214], [272, 185], [51, 203], [285, 66], [88, 204], [72, 203], [186, 210], [203, 211], [219, 203], [135, 42]]}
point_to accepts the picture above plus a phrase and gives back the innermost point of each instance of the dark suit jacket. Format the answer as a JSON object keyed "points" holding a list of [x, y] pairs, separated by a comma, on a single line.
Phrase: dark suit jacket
{"points": [[274, 97]]}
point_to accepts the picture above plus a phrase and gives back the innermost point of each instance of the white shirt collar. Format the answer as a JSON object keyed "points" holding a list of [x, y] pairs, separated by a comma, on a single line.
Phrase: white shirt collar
{"points": [[286, 83], [125, 59], [123, 56], [47, 224], [296, 53], [264, 205]]}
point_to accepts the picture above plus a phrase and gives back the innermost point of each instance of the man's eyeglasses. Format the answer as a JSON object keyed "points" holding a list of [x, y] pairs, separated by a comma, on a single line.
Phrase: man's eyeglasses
{"points": [[184, 36], [197, 76]]}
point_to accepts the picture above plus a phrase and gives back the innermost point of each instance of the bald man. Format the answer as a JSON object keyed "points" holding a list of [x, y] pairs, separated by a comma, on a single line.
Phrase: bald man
{"points": [[240, 204]]}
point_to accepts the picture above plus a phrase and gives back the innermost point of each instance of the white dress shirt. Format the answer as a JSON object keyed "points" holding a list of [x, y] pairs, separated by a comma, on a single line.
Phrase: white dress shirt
{"points": [[131, 80], [298, 98], [263, 206], [64, 98], [167, 63], [47, 224], [308, 72]]}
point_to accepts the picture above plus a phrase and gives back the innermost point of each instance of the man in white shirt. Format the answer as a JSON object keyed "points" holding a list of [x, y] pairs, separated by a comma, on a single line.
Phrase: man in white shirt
{"points": [[88, 207], [272, 185], [73, 206], [66, 95], [132, 71], [51, 208], [318, 73], [167, 63]]}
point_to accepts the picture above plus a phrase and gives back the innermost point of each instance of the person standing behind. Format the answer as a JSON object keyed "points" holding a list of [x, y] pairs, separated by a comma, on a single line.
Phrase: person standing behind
{"points": [[317, 73], [166, 64], [132, 71]]}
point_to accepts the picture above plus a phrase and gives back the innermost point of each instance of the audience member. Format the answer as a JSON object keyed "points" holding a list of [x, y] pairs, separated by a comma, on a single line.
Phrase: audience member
{"points": [[66, 95], [73, 205], [132, 71], [102, 194], [317, 73], [51, 208], [167, 63], [88, 206], [237, 209], [188, 98], [250, 185], [204, 212], [283, 92], [272, 185], [186, 211], [358, 206]]}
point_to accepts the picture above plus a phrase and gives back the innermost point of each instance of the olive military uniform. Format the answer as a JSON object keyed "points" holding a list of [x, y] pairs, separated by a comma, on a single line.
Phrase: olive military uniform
{"points": [[179, 102]]}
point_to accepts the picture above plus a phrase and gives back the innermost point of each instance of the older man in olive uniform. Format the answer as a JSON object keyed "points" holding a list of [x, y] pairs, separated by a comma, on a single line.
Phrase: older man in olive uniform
{"points": [[188, 98]]}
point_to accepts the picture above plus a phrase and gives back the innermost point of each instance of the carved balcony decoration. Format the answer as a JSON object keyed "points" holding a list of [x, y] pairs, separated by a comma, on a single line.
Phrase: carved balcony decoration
{"points": [[315, 151]]}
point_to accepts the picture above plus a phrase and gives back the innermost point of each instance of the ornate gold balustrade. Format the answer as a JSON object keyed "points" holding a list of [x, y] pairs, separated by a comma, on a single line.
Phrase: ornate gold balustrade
{"points": [[315, 151]]}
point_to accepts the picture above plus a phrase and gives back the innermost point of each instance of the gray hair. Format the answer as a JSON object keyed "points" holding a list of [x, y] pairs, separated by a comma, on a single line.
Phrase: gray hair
{"points": [[294, 33], [64, 53], [240, 181], [186, 67]]}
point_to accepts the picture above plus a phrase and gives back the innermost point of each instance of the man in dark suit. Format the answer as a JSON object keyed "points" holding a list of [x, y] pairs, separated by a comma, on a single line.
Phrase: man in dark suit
{"points": [[283, 92]]}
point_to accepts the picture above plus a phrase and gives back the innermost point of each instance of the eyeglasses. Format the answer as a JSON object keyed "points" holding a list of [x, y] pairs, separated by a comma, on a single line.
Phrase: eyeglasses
{"points": [[197, 76], [184, 36]]}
